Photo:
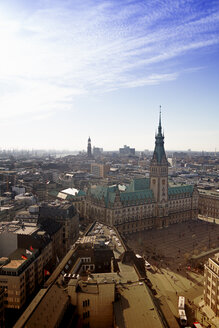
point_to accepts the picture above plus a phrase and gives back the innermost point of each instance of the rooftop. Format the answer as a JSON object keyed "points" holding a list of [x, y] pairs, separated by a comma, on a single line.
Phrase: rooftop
{"points": [[17, 259], [135, 307], [50, 309], [27, 228]]}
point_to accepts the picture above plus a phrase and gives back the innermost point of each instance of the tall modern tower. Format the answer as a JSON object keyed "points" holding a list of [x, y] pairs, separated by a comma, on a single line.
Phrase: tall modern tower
{"points": [[89, 148], [159, 173]]}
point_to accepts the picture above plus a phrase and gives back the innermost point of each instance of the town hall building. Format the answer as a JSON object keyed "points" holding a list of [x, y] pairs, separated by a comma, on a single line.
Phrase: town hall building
{"points": [[146, 202]]}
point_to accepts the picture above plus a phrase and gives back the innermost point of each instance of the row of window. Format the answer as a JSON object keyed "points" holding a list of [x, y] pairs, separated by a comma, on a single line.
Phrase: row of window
{"points": [[135, 209], [85, 259], [86, 303], [86, 314]]}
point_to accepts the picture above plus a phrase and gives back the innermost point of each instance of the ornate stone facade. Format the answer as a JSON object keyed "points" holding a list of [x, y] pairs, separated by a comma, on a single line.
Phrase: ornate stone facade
{"points": [[146, 203]]}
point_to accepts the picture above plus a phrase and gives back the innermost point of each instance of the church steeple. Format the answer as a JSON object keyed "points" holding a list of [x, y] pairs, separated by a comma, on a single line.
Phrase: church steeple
{"points": [[89, 154]]}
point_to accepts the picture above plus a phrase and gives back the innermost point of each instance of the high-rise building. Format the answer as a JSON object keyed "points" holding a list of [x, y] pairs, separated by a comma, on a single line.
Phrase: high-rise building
{"points": [[89, 154]]}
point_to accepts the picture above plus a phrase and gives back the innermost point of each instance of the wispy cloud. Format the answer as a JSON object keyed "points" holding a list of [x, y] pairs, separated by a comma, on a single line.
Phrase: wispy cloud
{"points": [[56, 50]]}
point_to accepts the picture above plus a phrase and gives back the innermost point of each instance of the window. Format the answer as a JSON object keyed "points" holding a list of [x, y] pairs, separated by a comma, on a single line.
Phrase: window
{"points": [[86, 314], [86, 303]]}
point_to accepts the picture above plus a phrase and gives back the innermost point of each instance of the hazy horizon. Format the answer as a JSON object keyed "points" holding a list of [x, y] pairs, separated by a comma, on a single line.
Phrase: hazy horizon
{"points": [[104, 150]]}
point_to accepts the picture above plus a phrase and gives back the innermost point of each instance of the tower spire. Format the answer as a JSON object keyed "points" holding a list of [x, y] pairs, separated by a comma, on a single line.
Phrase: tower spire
{"points": [[89, 155], [160, 127]]}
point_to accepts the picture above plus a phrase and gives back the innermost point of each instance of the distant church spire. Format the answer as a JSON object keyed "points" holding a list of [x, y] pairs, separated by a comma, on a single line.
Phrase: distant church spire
{"points": [[89, 148]]}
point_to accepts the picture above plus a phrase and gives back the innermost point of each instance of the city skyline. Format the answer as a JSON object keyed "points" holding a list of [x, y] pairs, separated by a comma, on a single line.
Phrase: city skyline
{"points": [[103, 68]]}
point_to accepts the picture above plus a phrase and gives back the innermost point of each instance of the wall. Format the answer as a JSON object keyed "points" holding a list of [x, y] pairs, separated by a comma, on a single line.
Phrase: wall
{"points": [[8, 243]]}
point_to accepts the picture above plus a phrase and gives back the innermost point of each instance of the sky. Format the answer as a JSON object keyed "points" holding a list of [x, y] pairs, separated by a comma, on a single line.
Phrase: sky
{"points": [[70, 69]]}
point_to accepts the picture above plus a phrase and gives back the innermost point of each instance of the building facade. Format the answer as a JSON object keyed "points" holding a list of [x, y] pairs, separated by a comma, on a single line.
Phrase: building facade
{"points": [[66, 215], [146, 202], [99, 170], [2, 307], [209, 204], [94, 301], [126, 151], [211, 284], [19, 277]]}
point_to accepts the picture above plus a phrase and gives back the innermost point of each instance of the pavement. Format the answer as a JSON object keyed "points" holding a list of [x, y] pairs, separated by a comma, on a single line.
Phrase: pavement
{"points": [[171, 285], [169, 251]]}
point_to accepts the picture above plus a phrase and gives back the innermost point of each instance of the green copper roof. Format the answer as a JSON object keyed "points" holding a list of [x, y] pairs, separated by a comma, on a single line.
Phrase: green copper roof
{"points": [[136, 192], [81, 193], [104, 192], [136, 196], [108, 194], [138, 184], [180, 190], [53, 192]]}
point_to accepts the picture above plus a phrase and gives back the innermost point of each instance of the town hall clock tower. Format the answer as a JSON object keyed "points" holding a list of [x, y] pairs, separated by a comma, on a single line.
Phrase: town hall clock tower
{"points": [[159, 174]]}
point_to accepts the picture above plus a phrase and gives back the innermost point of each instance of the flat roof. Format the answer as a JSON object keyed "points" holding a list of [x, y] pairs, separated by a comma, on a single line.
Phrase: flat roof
{"points": [[136, 307], [13, 264], [16, 260]]}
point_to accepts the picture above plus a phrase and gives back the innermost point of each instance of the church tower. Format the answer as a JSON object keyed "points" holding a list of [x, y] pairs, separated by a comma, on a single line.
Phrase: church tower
{"points": [[159, 173], [89, 155]]}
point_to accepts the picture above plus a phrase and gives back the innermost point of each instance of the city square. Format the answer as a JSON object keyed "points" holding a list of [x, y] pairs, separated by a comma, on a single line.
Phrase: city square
{"points": [[173, 272]]}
